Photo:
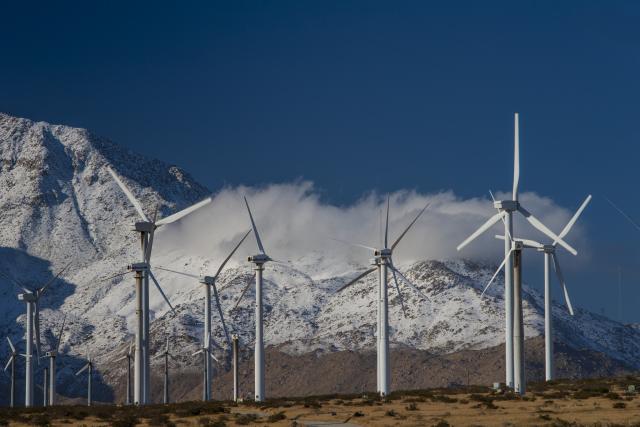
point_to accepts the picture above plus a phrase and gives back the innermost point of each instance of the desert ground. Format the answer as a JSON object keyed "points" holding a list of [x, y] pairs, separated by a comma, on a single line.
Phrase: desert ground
{"points": [[596, 402]]}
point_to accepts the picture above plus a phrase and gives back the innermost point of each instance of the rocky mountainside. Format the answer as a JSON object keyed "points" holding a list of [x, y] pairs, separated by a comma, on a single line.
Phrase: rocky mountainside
{"points": [[58, 203]]}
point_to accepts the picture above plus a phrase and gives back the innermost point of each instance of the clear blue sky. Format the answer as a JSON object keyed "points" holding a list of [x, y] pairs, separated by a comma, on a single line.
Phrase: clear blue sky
{"points": [[356, 96]]}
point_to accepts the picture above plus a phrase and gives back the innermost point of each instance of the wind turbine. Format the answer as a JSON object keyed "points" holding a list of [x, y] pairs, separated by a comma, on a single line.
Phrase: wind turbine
{"points": [[166, 356], [45, 386], [506, 209], [207, 354], [209, 283], [12, 362], [259, 260], [549, 251], [31, 298], [146, 228], [383, 262], [128, 358], [89, 366], [52, 354], [234, 346]]}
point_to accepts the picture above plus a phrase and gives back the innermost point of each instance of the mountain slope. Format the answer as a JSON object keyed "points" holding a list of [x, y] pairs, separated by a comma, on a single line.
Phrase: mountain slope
{"points": [[58, 203]]}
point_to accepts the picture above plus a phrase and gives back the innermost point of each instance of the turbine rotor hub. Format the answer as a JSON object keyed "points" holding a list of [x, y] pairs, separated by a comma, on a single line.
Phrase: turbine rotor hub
{"points": [[138, 267], [207, 280], [506, 205], [143, 226]]}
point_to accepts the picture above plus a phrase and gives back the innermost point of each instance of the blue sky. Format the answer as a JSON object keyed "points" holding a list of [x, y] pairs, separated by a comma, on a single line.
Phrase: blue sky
{"points": [[357, 96]]}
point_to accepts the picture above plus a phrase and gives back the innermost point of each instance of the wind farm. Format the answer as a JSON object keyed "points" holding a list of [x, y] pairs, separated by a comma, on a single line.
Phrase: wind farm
{"points": [[355, 214]]}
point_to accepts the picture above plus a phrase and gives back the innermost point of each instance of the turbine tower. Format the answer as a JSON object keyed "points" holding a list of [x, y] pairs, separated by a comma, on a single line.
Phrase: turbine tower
{"points": [[383, 262], [209, 283], [259, 261], [234, 346], [12, 362], [549, 251], [166, 355], [52, 354], [146, 228], [31, 297], [128, 358], [89, 366], [506, 209], [207, 354]]}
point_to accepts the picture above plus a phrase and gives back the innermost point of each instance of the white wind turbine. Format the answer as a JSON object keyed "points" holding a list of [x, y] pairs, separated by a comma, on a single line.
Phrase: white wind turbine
{"points": [[383, 262], [506, 208], [12, 362], [235, 349], [89, 366], [166, 355], [31, 297], [209, 283], [549, 251], [52, 354], [259, 260], [146, 228], [207, 356], [128, 356]]}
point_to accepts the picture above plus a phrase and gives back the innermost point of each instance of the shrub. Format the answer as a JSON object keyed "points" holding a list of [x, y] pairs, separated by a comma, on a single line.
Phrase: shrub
{"points": [[125, 420], [412, 407], [276, 417], [358, 414], [619, 405], [246, 419], [390, 413]]}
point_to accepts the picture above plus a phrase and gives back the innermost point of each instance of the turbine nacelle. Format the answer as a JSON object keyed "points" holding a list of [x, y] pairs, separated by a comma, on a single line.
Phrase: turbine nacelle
{"points": [[138, 267], [506, 205], [208, 280], [547, 249], [143, 226], [258, 259], [382, 253], [52, 353], [27, 297]]}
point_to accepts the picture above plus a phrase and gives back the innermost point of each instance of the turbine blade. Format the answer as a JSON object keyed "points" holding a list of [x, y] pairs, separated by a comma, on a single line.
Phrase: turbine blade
{"points": [[386, 226], [255, 229], [9, 362], [231, 254], [197, 352], [136, 204], [409, 226], [556, 265], [484, 227], [213, 357], [130, 350], [395, 281], [516, 156], [244, 291], [193, 276], [114, 276], [147, 252], [57, 346], [224, 325], [504, 261], [44, 288], [409, 282], [13, 349], [525, 242], [36, 327], [155, 282], [360, 276], [575, 217], [544, 229], [627, 217], [14, 282], [84, 368], [358, 245], [503, 220], [176, 216]]}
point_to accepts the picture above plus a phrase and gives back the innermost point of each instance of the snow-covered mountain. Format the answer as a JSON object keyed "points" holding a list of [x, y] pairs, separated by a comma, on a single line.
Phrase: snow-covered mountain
{"points": [[59, 204]]}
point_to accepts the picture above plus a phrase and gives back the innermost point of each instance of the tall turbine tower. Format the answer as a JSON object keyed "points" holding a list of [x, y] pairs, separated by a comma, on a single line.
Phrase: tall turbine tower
{"points": [[31, 297], [549, 251], [506, 208], [146, 228], [128, 356], [258, 261], [12, 362], [89, 366], [234, 346], [383, 262], [52, 354], [209, 283]]}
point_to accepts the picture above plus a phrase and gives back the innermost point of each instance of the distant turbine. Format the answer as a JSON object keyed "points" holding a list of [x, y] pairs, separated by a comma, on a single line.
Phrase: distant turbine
{"points": [[31, 298], [383, 262], [89, 366], [207, 354], [52, 354], [146, 228], [128, 358], [209, 283], [506, 208], [12, 362], [166, 355], [549, 252]]}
